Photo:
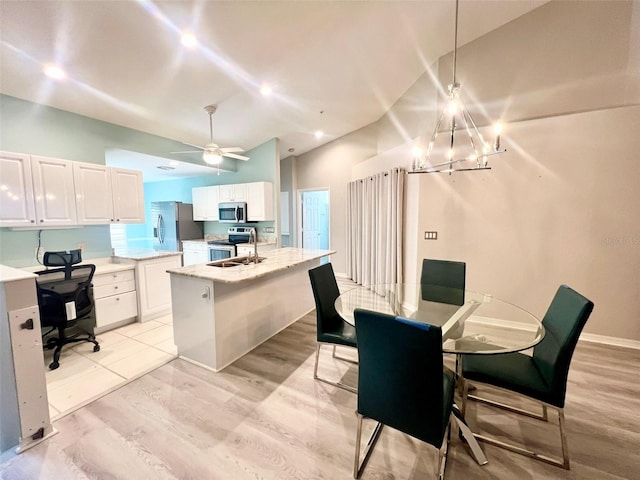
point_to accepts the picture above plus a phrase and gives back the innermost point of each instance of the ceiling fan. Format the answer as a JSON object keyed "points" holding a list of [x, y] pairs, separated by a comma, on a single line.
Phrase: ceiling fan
{"points": [[211, 153]]}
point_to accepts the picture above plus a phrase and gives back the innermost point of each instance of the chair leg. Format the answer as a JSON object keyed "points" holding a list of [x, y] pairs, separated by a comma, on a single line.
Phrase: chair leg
{"points": [[441, 464], [344, 359], [563, 463], [348, 388], [358, 467]]}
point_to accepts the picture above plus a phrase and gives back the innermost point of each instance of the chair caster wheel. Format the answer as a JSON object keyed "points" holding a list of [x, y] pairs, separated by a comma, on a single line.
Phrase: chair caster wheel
{"points": [[54, 365], [96, 348]]}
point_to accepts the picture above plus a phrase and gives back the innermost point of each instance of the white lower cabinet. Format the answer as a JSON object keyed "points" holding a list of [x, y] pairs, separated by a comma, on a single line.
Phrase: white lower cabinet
{"points": [[115, 297], [154, 286], [247, 248]]}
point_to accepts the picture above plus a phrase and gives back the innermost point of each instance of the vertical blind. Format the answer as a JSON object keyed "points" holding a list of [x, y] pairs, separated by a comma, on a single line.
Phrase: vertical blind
{"points": [[375, 212]]}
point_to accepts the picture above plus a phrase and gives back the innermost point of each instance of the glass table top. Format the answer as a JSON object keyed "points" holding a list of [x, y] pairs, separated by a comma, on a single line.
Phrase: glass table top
{"points": [[484, 324]]}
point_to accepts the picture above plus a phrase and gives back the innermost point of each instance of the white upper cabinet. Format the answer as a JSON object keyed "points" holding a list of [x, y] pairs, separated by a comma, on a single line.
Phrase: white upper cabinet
{"points": [[205, 203], [93, 193], [43, 192], [128, 195], [259, 201], [53, 191], [17, 208], [236, 192]]}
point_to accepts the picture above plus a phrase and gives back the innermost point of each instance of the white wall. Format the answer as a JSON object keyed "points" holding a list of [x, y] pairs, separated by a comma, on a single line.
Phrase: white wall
{"points": [[561, 206]]}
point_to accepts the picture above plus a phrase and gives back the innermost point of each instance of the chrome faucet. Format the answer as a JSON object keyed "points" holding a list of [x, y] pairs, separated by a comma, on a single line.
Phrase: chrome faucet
{"points": [[252, 235]]}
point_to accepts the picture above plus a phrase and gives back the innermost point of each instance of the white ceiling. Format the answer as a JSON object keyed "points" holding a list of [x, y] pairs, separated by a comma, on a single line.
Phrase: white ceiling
{"points": [[333, 66]]}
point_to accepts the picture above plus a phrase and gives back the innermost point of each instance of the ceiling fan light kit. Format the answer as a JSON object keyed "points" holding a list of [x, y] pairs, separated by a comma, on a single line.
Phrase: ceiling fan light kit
{"points": [[476, 151]]}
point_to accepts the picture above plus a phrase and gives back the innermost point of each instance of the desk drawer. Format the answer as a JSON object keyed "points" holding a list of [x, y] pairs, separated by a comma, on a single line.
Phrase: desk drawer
{"points": [[116, 308], [114, 277], [101, 291]]}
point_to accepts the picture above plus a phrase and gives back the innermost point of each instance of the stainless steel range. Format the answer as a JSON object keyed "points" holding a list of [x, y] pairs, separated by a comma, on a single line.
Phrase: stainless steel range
{"points": [[221, 249]]}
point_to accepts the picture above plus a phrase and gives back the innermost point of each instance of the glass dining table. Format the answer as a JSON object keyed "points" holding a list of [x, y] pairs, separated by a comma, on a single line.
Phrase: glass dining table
{"points": [[482, 325]]}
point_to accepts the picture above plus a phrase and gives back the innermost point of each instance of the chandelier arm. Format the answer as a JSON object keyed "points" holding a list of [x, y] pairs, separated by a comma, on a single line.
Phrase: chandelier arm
{"points": [[466, 121], [434, 136]]}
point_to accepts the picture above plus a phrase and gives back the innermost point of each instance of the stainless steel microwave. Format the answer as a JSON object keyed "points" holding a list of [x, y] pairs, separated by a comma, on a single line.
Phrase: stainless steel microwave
{"points": [[232, 212]]}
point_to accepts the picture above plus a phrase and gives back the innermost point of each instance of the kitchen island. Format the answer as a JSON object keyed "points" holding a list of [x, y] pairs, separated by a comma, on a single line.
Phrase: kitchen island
{"points": [[219, 314]]}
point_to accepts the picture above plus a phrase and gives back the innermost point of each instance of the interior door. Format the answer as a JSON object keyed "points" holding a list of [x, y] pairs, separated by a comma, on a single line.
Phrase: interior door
{"points": [[315, 219]]}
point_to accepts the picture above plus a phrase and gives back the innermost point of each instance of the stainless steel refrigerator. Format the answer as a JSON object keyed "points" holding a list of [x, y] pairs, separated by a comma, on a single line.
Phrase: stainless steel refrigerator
{"points": [[173, 223]]}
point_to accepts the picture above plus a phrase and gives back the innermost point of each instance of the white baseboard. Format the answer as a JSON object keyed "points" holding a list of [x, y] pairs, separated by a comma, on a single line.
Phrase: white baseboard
{"points": [[614, 341]]}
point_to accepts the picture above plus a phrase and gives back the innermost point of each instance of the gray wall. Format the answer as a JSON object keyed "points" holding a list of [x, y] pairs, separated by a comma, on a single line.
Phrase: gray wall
{"points": [[561, 205]]}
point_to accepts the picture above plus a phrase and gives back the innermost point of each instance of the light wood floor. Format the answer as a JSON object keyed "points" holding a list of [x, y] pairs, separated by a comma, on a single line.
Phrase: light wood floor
{"points": [[265, 418]]}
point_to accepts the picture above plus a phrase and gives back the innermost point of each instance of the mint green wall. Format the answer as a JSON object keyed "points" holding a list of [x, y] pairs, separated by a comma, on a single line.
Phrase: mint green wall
{"points": [[261, 168], [40, 130]]}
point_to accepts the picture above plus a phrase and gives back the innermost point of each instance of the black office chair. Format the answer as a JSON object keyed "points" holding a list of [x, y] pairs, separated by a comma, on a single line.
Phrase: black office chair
{"points": [[65, 299], [541, 377], [443, 281], [331, 328], [402, 382]]}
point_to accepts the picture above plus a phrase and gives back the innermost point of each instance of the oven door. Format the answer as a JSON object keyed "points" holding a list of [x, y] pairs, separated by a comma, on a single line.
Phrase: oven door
{"points": [[220, 252]]}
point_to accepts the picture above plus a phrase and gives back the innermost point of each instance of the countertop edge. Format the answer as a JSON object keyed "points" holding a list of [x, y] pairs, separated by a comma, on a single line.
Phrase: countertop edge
{"points": [[251, 272]]}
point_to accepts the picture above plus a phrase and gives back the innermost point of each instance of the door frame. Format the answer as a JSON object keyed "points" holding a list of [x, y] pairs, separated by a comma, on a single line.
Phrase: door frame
{"points": [[299, 205]]}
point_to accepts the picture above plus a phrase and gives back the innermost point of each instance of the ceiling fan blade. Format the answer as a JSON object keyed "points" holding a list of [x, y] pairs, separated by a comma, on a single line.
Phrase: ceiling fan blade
{"points": [[232, 150], [189, 151], [233, 155]]}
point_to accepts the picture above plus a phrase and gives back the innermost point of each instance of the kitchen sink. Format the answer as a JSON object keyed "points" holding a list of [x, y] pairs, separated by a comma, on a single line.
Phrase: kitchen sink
{"points": [[235, 262]]}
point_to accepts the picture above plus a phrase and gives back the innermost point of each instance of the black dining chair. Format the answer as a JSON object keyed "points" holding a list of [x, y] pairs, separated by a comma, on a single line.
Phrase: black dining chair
{"points": [[65, 300], [541, 377], [331, 328], [402, 382], [443, 281]]}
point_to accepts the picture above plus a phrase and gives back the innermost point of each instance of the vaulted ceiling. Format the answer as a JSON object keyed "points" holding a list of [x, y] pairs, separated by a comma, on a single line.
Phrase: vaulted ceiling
{"points": [[331, 66]]}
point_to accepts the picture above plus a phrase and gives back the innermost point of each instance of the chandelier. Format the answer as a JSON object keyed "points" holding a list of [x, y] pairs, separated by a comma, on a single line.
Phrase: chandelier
{"points": [[456, 156]]}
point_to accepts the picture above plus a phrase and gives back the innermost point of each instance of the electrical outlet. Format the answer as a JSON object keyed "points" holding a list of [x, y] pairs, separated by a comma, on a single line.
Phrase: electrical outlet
{"points": [[269, 230]]}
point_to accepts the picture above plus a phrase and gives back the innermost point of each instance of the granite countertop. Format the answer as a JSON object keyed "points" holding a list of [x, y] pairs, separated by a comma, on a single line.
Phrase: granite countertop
{"points": [[266, 242], [275, 261], [103, 265], [10, 274], [141, 254]]}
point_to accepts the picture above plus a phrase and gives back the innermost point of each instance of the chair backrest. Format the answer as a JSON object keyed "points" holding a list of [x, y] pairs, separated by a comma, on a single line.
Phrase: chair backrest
{"points": [[66, 259], [443, 281], [400, 375], [563, 324], [58, 286], [325, 292]]}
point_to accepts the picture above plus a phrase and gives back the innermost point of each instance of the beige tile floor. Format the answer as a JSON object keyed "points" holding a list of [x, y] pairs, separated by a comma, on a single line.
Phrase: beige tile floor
{"points": [[125, 353]]}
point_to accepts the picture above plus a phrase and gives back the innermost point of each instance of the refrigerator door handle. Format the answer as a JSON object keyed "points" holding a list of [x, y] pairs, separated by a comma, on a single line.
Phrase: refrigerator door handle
{"points": [[161, 228]]}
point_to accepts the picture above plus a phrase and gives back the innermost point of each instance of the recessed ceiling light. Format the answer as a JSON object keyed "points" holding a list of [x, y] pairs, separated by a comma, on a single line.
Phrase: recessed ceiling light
{"points": [[54, 71], [265, 90], [189, 40], [319, 134]]}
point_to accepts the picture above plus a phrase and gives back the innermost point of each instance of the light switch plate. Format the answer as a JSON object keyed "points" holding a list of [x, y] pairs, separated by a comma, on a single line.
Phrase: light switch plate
{"points": [[430, 235]]}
